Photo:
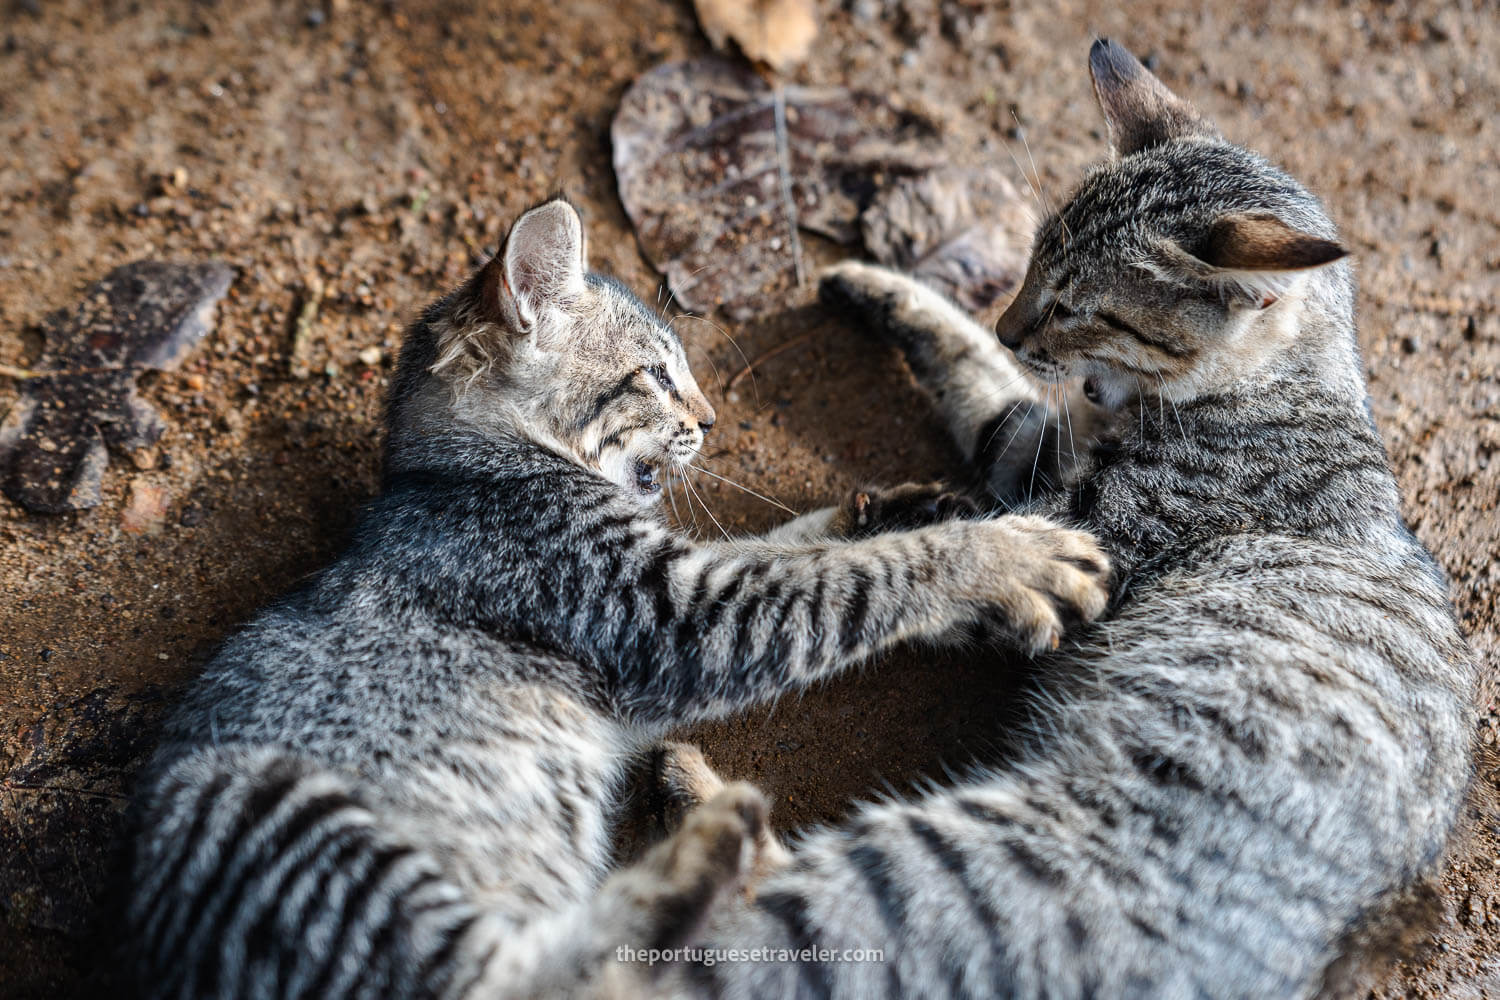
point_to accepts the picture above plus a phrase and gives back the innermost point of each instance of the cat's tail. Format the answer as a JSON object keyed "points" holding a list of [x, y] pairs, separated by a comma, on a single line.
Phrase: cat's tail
{"points": [[259, 874]]}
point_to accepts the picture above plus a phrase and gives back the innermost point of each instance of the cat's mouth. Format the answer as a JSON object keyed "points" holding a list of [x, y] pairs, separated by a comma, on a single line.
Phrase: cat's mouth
{"points": [[646, 477]]}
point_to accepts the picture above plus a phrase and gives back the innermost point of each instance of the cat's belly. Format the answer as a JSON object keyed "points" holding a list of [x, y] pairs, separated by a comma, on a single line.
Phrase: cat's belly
{"points": [[516, 800]]}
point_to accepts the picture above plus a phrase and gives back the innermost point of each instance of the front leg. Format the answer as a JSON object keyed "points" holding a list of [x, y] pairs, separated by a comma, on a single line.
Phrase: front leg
{"points": [[736, 624], [1016, 442], [872, 510]]}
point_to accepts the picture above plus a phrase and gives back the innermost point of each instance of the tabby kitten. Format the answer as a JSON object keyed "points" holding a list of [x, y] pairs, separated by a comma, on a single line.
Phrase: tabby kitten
{"points": [[398, 781], [1237, 782]]}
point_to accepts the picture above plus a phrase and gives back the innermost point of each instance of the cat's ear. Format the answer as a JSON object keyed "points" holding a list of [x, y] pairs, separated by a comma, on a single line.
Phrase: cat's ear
{"points": [[1253, 257], [540, 267], [1138, 108]]}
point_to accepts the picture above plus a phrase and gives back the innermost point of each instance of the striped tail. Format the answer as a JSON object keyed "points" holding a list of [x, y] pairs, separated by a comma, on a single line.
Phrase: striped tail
{"points": [[257, 874]]}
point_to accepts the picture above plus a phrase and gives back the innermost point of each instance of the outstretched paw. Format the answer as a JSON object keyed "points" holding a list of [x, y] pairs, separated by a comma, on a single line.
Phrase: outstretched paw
{"points": [[856, 285], [888, 304], [1042, 577], [873, 510]]}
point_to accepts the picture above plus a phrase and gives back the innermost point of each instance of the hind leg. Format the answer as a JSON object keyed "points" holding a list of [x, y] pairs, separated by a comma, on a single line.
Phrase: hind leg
{"points": [[617, 943], [664, 900], [682, 781], [999, 419]]}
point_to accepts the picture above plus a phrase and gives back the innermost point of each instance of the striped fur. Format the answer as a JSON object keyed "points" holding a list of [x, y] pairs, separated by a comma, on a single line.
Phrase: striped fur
{"points": [[1258, 753], [399, 780]]}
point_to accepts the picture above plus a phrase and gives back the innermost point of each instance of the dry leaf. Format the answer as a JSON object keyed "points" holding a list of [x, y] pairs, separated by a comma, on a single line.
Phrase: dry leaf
{"points": [[82, 398], [777, 33], [696, 160], [964, 231]]}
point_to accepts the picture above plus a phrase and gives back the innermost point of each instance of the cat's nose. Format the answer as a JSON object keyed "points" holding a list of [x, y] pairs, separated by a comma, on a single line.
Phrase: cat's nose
{"points": [[706, 423], [1010, 328]]}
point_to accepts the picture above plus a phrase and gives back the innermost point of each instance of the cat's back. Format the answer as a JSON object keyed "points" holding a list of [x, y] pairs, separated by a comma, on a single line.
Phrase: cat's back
{"points": [[1288, 717]]}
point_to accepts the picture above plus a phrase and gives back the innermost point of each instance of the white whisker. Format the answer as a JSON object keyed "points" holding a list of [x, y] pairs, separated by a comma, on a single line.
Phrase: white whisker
{"points": [[1180, 429], [1140, 403], [1001, 423], [744, 488], [1072, 449], [1021, 170], [755, 389], [1046, 203], [1031, 486], [704, 504], [676, 516]]}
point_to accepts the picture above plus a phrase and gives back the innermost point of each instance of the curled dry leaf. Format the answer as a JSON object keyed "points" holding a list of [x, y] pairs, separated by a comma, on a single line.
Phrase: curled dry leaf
{"points": [[776, 33], [696, 160], [964, 231]]}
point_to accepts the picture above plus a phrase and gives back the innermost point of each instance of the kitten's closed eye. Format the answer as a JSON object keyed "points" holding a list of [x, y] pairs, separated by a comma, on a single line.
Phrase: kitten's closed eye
{"points": [[659, 372]]}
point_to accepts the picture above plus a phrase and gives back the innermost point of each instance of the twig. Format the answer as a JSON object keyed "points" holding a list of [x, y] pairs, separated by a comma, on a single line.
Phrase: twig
{"points": [[10, 371], [61, 790], [779, 349], [784, 169], [307, 316]]}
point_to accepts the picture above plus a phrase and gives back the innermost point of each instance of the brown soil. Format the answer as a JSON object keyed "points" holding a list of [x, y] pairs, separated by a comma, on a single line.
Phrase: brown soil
{"points": [[374, 151]]}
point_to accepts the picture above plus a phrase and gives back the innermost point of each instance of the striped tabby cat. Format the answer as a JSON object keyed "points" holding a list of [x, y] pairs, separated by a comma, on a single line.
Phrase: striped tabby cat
{"points": [[1238, 781], [399, 781]]}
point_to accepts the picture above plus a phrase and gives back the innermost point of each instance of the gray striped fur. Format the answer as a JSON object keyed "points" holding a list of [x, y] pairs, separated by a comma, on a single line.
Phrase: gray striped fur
{"points": [[1244, 772], [399, 780]]}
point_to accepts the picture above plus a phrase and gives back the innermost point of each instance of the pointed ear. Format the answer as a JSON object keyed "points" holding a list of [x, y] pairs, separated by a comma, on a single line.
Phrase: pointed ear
{"points": [[1138, 108], [1252, 256], [1259, 241], [541, 265]]}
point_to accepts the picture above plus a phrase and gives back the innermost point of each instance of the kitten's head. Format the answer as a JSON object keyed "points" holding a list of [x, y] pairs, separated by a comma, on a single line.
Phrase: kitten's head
{"points": [[535, 345], [1179, 265]]}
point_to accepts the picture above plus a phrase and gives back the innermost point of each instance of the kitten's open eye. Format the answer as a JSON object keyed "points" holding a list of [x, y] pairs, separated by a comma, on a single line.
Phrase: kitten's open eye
{"points": [[659, 372]]}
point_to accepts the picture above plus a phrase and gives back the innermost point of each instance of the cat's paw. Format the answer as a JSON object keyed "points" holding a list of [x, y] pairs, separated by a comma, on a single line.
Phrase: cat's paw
{"points": [[887, 302], [853, 284], [1041, 576], [723, 846], [874, 510]]}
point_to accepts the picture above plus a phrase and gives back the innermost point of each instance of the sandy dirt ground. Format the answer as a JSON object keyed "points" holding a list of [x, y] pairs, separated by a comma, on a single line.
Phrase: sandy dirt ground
{"points": [[372, 149]]}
